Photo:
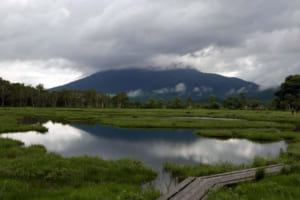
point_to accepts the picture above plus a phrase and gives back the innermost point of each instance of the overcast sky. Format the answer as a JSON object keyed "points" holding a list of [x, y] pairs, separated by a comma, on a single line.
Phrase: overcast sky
{"points": [[57, 41]]}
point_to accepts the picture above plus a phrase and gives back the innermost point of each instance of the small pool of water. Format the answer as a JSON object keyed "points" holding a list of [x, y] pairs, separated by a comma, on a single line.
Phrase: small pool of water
{"points": [[151, 146], [210, 118]]}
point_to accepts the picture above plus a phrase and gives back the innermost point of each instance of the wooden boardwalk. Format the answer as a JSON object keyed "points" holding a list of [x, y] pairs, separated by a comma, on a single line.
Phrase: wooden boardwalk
{"points": [[196, 188]]}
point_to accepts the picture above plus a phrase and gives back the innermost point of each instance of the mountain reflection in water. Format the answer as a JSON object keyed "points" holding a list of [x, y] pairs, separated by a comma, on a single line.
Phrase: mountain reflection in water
{"points": [[152, 146]]}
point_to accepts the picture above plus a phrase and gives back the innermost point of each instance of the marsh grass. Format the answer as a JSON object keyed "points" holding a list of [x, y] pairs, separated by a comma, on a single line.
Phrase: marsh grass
{"points": [[184, 171], [284, 186], [32, 173], [280, 187], [253, 134], [157, 118]]}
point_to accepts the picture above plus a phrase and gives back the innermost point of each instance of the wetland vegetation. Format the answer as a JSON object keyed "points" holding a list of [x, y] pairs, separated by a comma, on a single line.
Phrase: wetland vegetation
{"points": [[31, 172]]}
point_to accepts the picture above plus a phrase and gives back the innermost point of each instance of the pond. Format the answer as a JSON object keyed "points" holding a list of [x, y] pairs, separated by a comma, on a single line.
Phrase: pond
{"points": [[210, 118], [151, 146]]}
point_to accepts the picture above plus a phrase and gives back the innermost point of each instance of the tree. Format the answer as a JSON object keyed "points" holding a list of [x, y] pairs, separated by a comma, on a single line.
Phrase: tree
{"points": [[40, 89], [17, 94], [151, 103], [179, 103], [175, 103], [105, 100], [243, 99], [65, 96], [289, 93], [212, 99], [252, 103], [3, 90], [212, 103], [33, 96], [189, 102], [54, 97], [232, 102], [90, 97], [161, 103], [120, 100], [137, 104]]}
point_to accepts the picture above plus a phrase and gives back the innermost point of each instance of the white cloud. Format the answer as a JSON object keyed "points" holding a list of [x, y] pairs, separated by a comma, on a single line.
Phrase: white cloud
{"points": [[135, 93], [161, 91], [242, 89], [234, 91], [231, 91], [202, 89], [206, 89], [196, 89], [51, 72], [180, 87]]}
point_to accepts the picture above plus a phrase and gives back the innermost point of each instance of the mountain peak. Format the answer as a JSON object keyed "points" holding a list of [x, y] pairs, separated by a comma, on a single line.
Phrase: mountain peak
{"points": [[145, 83]]}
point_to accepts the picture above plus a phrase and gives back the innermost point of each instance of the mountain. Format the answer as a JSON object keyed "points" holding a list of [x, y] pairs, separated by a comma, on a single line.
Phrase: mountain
{"points": [[143, 84]]}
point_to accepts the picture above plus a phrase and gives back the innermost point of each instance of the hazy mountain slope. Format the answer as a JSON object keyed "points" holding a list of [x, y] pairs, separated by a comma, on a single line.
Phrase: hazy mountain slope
{"points": [[141, 83]]}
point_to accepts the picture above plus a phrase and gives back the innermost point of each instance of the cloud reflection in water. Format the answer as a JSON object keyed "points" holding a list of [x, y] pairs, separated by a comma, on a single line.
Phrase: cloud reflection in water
{"points": [[151, 146]]}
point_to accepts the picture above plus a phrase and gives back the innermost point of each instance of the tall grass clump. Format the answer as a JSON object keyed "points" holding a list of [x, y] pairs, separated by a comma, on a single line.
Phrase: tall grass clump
{"points": [[31, 173], [260, 173]]}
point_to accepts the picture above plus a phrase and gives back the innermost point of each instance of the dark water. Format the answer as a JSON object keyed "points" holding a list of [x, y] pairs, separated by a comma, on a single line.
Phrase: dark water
{"points": [[210, 118], [152, 146]]}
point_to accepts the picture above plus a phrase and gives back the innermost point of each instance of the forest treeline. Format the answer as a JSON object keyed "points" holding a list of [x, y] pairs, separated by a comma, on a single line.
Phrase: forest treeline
{"points": [[17, 94]]}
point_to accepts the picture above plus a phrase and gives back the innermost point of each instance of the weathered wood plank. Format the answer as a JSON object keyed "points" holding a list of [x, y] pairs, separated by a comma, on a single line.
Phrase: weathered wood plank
{"points": [[197, 188], [269, 170], [190, 191], [241, 171], [230, 179], [199, 191], [177, 189]]}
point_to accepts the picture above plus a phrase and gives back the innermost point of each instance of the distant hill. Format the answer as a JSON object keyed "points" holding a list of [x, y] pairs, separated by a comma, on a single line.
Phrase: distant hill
{"points": [[143, 84]]}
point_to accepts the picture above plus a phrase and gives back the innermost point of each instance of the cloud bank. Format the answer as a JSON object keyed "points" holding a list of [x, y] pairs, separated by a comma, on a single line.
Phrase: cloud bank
{"points": [[254, 40]]}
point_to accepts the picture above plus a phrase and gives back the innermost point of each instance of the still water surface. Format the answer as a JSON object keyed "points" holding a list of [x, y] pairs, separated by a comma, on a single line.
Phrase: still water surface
{"points": [[151, 146]]}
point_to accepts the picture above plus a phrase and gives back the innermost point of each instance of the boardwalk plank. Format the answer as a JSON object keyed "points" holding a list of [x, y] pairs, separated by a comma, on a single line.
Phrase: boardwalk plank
{"points": [[190, 191], [197, 188], [199, 193], [177, 189]]}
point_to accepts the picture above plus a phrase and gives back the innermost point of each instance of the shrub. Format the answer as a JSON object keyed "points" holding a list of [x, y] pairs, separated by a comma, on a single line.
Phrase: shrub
{"points": [[260, 174]]}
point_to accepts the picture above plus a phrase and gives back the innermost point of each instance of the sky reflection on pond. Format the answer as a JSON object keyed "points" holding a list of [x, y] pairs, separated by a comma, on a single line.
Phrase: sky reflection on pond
{"points": [[153, 147]]}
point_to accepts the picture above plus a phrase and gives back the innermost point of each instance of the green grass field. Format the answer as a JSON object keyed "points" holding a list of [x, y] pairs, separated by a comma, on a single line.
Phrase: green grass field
{"points": [[32, 173], [152, 118]]}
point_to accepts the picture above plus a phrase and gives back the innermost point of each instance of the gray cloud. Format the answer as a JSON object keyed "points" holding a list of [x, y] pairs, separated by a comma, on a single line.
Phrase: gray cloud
{"points": [[255, 40]]}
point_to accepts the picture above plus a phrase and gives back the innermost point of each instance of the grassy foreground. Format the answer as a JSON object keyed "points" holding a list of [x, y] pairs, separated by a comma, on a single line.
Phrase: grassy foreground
{"points": [[31, 173]]}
